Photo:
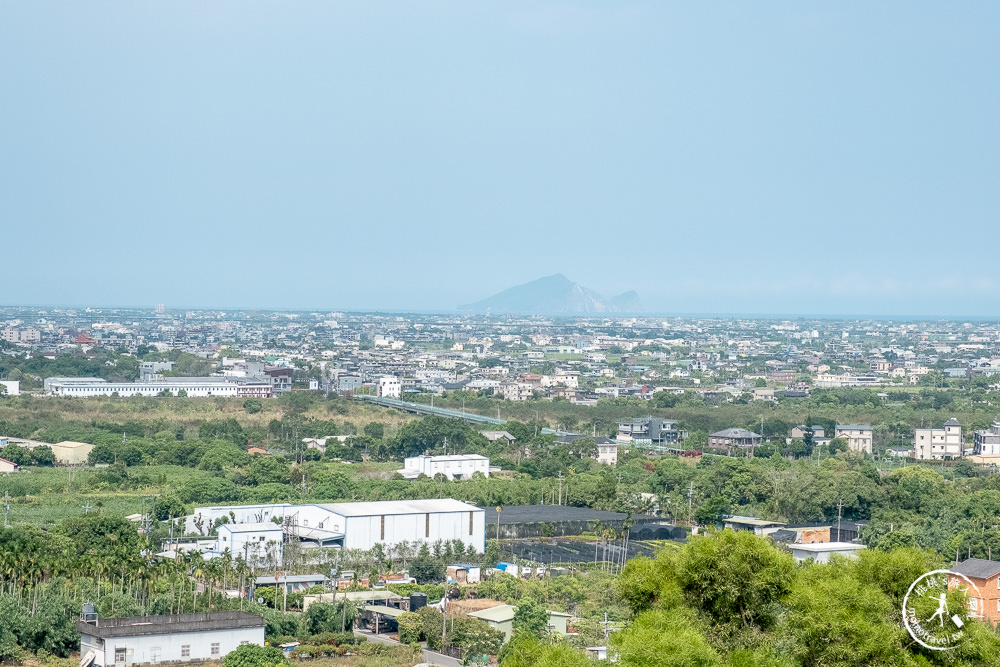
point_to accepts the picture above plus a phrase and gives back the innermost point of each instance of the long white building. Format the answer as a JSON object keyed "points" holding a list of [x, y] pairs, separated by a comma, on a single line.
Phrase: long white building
{"points": [[350, 525], [193, 386], [169, 639], [454, 466]]}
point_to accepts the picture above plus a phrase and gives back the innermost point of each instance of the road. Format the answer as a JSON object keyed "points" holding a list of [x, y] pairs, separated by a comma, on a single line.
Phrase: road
{"points": [[430, 657]]}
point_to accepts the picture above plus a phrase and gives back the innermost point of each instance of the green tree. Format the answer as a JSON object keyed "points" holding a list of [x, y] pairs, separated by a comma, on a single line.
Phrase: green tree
{"points": [[735, 577], [410, 627], [527, 651], [252, 655], [327, 617], [268, 470], [253, 405], [531, 618], [425, 568], [374, 430], [712, 511]]}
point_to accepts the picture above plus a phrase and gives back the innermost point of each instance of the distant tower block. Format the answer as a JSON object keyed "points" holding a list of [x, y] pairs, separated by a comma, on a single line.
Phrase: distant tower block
{"points": [[160, 309]]}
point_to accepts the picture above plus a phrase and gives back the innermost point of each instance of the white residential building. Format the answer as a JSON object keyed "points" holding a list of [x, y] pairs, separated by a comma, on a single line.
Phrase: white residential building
{"points": [[939, 443], [607, 452], [390, 386], [258, 543], [859, 437], [517, 391], [121, 642], [455, 466]]}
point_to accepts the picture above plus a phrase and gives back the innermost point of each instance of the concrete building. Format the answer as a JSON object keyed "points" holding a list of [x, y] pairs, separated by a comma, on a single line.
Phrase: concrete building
{"points": [[986, 442], [192, 386], [455, 466], [734, 438], [349, 383], [607, 452], [154, 639], [517, 391], [71, 453], [822, 551], [650, 431], [799, 432], [258, 543], [939, 444], [12, 387], [859, 437], [390, 386], [280, 378], [8, 466]]}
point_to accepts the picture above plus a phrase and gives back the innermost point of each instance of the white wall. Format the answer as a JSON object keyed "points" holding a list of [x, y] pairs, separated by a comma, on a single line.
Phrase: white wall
{"points": [[363, 532], [243, 514], [262, 546], [168, 647]]}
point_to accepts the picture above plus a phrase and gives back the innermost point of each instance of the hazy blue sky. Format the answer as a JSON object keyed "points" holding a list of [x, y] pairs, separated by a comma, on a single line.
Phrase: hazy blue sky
{"points": [[799, 157]]}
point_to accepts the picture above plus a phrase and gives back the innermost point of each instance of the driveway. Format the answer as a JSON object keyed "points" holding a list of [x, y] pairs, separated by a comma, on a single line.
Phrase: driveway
{"points": [[430, 657]]}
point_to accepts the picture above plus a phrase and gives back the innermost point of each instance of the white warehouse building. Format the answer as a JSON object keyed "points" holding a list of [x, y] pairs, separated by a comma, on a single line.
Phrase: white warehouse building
{"points": [[349, 525], [456, 466]]}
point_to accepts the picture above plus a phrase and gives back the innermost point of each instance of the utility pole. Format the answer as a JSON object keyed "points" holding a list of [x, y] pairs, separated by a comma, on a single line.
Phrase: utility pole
{"points": [[606, 625], [499, 509], [560, 478], [840, 509], [86, 508], [690, 499], [444, 617]]}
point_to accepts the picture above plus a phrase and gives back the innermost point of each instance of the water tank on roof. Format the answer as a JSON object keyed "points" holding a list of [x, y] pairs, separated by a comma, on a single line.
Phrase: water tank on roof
{"points": [[89, 614], [417, 600]]}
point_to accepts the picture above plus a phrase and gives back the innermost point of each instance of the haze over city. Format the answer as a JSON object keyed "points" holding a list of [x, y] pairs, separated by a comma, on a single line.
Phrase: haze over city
{"points": [[780, 158]]}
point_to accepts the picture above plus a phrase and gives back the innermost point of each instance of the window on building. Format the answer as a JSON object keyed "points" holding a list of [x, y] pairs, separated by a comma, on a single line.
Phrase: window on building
{"points": [[244, 643], [185, 650], [383, 527], [120, 655], [427, 525], [215, 649], [470, 528]]}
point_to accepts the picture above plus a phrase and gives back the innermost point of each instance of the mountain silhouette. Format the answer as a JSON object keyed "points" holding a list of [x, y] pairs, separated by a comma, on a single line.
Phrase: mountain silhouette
{"points": [[554, 295]]}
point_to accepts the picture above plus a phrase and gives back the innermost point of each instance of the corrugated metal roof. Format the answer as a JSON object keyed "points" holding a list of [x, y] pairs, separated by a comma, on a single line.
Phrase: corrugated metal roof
{"points": [[390, 507], [250, 527]]}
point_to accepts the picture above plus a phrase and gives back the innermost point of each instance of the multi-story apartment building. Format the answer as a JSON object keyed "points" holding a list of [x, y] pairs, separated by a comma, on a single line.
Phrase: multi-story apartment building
{"points": [[859, 437], [939, 444], [986, 442], [390, 386], [650, 431], [517, 391]]}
